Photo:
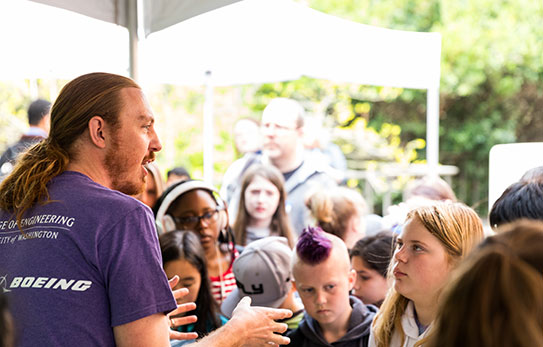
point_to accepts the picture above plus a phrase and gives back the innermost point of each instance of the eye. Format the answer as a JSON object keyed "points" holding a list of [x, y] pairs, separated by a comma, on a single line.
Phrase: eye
{"points": [[399, 244], [364, 277], [187, 220], [417, 248], [329, 287], [307, 290]]}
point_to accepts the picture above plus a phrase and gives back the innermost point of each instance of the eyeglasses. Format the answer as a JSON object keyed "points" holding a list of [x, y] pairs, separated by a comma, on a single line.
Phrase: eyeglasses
{"points": [[276, 127], [192, 221]]}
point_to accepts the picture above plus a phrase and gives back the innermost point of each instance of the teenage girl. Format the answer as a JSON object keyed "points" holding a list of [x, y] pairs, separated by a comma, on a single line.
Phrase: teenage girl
{"points": [[262, 206], [370, 258], [433, 241], [196, 206], [183, 255]]}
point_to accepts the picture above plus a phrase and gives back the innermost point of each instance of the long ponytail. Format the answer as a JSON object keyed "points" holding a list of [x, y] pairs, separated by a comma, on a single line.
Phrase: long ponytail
{"points": [[27, 184], [94, 94]]}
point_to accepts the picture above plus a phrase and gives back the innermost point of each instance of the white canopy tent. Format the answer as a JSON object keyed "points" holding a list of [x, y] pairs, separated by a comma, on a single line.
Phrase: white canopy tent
{"points": [[139, 15], [255, 41], [35, 46], [249, 41]]}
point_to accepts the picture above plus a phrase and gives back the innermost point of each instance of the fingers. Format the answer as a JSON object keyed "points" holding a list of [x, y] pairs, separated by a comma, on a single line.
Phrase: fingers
{"points": [[180, 293], [244, 303], [189, 306], [274, 313], [279, 339], [183, 320], [176, 335], [173, 281], [279, 327]]}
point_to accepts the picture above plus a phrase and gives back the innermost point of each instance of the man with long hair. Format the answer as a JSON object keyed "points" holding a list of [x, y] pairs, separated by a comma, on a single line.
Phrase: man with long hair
{"points": [[80, 256]]}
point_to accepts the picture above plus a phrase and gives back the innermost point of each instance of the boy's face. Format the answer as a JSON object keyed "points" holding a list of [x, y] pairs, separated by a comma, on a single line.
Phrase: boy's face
{"points": [[324, 288]]}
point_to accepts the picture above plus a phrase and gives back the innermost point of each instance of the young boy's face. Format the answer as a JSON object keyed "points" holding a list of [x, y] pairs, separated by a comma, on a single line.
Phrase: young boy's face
{"points": [[324, 288]]}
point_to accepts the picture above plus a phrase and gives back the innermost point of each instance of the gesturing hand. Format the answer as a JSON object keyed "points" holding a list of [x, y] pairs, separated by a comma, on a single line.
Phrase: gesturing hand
{"points": [[257, 324], [178, 321]]}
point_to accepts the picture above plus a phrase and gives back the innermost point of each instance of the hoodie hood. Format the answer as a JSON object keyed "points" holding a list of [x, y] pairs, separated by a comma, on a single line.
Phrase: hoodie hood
{"points": [[358, 331]]}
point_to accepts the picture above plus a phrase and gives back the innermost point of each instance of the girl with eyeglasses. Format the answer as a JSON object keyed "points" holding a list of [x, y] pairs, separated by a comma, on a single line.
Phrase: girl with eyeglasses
{"points": [[197, 207]]}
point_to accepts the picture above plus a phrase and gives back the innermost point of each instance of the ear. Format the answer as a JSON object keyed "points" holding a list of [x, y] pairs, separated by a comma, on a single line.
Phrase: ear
{"points": [[97, 131], [352, 278]]}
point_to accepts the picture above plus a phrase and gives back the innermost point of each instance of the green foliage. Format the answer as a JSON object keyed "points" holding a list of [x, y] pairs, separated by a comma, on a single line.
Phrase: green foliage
{"points": [[491, 65]]}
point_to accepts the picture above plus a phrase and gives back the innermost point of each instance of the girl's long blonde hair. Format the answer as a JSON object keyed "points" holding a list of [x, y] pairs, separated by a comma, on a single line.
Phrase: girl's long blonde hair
{"points": [[95, 94], [459, 229], [495, 297]]}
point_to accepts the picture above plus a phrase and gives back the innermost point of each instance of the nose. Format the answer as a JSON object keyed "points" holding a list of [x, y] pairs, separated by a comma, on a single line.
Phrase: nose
{"points": [[400, 255], [269, 130], [320, 298], [155, 145], [356, 285], [261, 197]]}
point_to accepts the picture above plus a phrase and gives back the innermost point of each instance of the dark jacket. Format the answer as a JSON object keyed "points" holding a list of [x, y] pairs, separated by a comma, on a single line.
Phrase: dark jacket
{"points": [[9, 157], [309, 332]]}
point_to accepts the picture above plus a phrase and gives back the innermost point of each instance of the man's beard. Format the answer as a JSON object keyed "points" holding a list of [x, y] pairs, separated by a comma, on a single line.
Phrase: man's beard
{"points": [[116, 164]]}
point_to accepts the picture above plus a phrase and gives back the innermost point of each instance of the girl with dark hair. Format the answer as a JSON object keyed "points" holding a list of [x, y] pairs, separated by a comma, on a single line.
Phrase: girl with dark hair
{"points": [[183, 255], [7, 332], [196, 206], [370, 258], [261, 210]]}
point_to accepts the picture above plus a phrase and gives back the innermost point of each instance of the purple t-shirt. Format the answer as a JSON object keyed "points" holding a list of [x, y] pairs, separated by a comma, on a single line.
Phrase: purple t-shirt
{"points": [[93, 263]]}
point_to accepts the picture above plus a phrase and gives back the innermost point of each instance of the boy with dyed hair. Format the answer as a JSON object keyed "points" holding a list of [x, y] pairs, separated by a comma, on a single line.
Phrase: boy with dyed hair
{"points": [[323, 278]]}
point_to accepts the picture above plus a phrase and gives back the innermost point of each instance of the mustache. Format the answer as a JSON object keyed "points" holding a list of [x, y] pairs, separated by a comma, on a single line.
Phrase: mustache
{"points": [[150, 157]]}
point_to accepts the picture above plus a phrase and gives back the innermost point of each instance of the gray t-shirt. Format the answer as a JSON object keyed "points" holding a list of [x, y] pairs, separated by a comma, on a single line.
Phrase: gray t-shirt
{"points": [[254, 234], [93, 263]]}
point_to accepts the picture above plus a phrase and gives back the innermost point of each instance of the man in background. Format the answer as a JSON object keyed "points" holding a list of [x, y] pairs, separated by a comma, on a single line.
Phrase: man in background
{"points": [[282, 129], [39, 121]]}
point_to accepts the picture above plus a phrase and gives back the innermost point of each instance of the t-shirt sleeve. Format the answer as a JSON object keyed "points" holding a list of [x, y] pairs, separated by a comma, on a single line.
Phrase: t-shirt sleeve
{"points": [[131, 265]]}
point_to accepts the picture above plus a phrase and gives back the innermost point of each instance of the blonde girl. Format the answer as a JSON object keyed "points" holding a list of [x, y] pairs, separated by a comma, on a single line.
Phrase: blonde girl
{"points": [[433, 240]]}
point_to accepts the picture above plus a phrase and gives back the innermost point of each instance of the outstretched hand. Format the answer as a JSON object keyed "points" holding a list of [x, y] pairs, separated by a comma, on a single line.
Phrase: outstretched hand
{"points": [[258, 324], [184, 320]]}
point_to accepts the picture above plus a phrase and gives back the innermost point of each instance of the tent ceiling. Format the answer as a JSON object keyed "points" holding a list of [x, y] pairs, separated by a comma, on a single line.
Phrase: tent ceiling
{"points": [[158, 14], [255, 41]]}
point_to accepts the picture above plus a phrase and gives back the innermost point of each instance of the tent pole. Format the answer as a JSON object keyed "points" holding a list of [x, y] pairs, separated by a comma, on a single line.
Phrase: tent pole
{"points": [[432, 130], [132, 25], [208, 130]]}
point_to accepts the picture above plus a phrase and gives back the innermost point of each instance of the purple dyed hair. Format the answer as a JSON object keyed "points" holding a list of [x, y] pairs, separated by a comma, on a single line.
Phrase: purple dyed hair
{"points": [[313, 247]]}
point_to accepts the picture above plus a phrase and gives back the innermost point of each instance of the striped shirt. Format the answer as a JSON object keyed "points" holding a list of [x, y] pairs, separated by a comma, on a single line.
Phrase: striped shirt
{"points": [[228, 282]]}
